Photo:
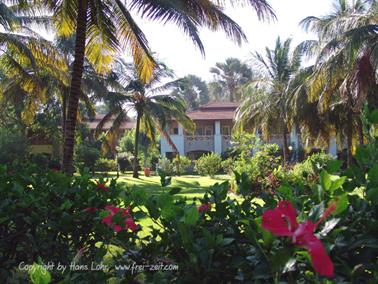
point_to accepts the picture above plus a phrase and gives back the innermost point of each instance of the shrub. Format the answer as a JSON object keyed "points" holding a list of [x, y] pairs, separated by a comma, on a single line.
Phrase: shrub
{"points": [[310, 168], [227, 165], [86, 157], [209, 164], [40, 160], [165, 166], [124, 161], [181, 165], [259, 165], [13, 146], [106, 165], [48, 216]]}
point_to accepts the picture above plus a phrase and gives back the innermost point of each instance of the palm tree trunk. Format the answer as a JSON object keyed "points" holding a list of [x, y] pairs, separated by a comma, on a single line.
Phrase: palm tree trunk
{"points": [[136, 146], [349, 140], [64, 115], [73, 99], [284, 150], [360, 131]]}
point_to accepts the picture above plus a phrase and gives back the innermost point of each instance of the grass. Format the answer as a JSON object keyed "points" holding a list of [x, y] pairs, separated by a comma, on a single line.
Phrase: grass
{"points": [[191, 185]]}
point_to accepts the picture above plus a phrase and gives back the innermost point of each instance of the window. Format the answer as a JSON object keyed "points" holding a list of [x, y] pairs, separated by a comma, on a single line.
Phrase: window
{"points": [[199, 131], [226, 130], [173, 131], [208, 131]]}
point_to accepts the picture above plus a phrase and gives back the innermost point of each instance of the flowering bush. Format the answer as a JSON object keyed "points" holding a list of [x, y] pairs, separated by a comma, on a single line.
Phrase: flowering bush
{"points": [[320, 232], [47, 215]]}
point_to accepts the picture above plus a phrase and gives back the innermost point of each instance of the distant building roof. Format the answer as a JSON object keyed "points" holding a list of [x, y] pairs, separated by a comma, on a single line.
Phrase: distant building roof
{"points": [[92, 123], [214, 111]]}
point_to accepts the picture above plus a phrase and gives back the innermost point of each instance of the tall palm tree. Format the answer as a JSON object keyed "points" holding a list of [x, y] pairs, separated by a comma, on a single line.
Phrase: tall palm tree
{"points": [[104, 27], [346, 64], [193, 90], [229, 79], [153, 110], [278, 68]]}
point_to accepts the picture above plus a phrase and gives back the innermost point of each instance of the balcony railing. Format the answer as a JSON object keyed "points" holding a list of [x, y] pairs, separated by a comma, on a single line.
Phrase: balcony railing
{"points": [[199, 143]]}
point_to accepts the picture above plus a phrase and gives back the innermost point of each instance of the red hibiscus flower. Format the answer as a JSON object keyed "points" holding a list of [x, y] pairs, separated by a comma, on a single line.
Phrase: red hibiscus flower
{"points": [[102, 186], [204, 208], [125, 213], [282, 222]]}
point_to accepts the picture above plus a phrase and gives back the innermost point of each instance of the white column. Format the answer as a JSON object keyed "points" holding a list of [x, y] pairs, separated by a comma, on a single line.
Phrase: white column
{"points": [[332, 146], [294, 143], [180, 141], [218, 138], [294, 138]]}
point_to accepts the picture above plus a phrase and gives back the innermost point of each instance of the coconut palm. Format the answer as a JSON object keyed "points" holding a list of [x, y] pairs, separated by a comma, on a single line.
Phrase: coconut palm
{"points": [[105, 27], [278, 68], [193, 90], [345, 68], [229, 79], [153, 109]]}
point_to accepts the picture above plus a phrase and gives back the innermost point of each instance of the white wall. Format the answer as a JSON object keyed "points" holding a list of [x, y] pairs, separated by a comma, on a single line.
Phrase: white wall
{"points": [[177, 139]]}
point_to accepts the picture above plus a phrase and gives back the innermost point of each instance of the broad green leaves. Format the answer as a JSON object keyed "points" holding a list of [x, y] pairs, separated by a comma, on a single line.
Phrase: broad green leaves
{"points": [[331, 182], [39, 275]]}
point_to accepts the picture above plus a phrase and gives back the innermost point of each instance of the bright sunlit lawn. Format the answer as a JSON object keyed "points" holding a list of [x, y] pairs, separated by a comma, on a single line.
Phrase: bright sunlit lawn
{"points": [[191, 185]]}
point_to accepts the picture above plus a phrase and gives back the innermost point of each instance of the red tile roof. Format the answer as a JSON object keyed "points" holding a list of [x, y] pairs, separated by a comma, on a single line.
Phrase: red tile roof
{"points": [[92, 123], [214, 111]]}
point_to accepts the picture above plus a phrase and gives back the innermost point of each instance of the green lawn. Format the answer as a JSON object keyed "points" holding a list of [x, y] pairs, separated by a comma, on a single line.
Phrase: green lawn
{"points": [[191, 185]]}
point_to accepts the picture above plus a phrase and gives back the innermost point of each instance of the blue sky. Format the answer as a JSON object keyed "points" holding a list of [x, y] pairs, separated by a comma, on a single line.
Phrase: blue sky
{"points": [[177, 51]]}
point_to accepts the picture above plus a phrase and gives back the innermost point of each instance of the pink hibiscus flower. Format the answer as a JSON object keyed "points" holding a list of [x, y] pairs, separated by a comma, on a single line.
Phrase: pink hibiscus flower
{"points": [[102, 186], [203, 208], [125, 213], [282, 222]]}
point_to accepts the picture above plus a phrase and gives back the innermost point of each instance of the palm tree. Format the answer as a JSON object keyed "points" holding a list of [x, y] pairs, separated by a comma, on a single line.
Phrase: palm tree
{"points": [[279, 66], [193, 90], [229, 79], [152, 109], [104, 27], [346, 64]]}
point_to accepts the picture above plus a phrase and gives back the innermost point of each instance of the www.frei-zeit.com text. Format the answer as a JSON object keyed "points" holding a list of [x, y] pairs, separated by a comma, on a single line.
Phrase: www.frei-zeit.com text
{"points": [[133, 268]]}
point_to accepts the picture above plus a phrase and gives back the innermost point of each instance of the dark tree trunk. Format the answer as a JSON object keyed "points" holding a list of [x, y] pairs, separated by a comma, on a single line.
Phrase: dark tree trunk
{"points": [[136, 146], [360, 131], [349, 139], [76, 76], [284, 148], [64, 115]]}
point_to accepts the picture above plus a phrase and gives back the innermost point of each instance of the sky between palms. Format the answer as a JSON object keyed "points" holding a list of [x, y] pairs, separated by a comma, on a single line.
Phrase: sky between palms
{"points": [[176, 50]]}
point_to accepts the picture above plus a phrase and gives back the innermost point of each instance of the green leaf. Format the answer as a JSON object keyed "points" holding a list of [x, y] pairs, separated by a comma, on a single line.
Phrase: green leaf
{"points": [[39, 275], [139, 196], [165, 200], [66, 205], [168, 211], [191, 216], [175, 190], [226, 241], [286, 191], [373, 116], [325, 180], [337, 182], [139, 215], [372, 195], [373, 176], [334, 166], [341, 203]]}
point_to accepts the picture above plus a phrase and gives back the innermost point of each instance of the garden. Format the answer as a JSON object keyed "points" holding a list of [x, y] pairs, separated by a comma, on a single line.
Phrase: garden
{"points": [[313, 222], [106, 176]]}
